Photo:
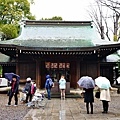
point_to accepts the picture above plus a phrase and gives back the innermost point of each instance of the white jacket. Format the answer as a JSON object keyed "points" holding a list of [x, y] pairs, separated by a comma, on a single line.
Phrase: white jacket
{"points": [[105, 94]]}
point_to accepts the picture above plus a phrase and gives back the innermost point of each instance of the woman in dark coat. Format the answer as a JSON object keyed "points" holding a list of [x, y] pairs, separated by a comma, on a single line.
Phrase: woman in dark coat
{"points": [[14, 91], [89, 99]]}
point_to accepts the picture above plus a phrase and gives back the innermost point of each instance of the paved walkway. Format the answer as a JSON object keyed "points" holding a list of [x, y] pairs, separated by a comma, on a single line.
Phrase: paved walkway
{"points": [[74, 109]]}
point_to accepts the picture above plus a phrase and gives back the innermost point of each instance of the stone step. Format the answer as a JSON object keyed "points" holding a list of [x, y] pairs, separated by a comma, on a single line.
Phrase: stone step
{"points": [[70, 95]]}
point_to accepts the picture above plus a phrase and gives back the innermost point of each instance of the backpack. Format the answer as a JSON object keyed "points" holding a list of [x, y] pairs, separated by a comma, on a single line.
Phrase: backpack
{"points": [[49, 83], [27, 88], [33, 89]]}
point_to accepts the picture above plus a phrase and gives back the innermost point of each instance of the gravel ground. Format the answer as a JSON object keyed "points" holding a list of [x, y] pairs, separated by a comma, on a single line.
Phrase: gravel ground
{"points": [[11, 112]]}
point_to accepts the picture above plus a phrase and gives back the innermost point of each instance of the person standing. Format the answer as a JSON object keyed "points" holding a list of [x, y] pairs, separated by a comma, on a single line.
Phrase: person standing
{"points": [[104, 87], [62, 86], [48, 86], [89, 99], [105, 98], [14, 91], [27, 90]]}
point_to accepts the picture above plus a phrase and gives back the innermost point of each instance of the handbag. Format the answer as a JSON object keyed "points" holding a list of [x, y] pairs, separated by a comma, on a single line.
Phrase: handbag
{"points": [[97, 94]]}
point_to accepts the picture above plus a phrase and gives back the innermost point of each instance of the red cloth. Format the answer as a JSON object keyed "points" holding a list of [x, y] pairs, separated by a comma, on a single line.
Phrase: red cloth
{"points": [[32, 89], [13, 85]]}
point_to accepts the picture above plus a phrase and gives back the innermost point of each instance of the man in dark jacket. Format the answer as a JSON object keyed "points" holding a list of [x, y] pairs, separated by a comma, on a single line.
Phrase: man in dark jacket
{"points": [[48, 85], [14, 91]]}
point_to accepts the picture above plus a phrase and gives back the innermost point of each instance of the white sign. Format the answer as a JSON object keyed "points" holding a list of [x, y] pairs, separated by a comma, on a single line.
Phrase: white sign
{"points": [[3, 82]]}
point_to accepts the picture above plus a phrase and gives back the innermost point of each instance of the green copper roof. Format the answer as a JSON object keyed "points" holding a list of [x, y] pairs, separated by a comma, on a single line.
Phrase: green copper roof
{"points": [[58, 34], [51, 43], [55, 35]]}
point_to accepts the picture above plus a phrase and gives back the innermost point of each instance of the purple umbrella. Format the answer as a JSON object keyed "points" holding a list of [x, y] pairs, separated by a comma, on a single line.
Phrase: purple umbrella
{"points": [[86, 82], [9, 76]]}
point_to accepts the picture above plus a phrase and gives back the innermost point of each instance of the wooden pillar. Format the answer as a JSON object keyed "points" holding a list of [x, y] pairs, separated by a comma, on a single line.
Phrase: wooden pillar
{"points": [[73, 72], [77, 72], [98, 69], [38, 76], [17, 62], [98, 63]]}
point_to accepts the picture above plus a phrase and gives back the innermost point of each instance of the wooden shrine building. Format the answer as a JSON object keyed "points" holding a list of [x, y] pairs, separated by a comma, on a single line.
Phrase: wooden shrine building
{"points": [[72, 48]]}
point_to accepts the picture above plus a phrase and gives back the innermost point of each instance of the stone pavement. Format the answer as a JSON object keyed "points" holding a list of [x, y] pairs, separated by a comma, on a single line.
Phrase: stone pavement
{"points": [[74, 109]]}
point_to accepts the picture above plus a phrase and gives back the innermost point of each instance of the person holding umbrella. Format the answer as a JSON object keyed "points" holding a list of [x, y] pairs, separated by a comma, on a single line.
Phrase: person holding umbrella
{"points": [[87, 83], [104, 86], [14, 90]]}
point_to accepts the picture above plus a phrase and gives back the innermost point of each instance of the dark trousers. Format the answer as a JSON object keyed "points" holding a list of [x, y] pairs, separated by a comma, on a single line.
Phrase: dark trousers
{"points": [[105, 105], [15, 97], [28, 96], [91, 106]]}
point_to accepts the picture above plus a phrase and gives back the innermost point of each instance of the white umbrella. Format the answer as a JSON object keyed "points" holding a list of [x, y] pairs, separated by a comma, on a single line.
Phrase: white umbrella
{"points": [[102, 82]]}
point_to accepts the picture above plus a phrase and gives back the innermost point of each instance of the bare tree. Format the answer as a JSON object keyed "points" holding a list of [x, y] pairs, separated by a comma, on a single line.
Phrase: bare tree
{"points": [[114, 5], [99, 19], [101, 16]]}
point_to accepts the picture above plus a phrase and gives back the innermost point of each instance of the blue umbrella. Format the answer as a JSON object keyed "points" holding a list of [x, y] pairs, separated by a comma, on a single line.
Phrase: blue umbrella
{"points": [[86, 82], [9, 76]]}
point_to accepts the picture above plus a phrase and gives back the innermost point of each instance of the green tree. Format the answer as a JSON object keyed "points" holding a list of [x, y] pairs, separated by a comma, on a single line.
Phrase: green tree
{"points": [[12, 11], [10, 31], [53, 18]]}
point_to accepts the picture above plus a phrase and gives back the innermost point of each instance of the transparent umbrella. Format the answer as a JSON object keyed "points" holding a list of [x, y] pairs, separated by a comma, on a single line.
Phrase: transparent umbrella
{"points": [[102, 82], [86, 82]]}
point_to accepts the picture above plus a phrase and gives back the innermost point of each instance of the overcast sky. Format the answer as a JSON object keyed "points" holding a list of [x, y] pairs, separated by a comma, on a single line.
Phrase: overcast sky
{"points": [[67, 9]]}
